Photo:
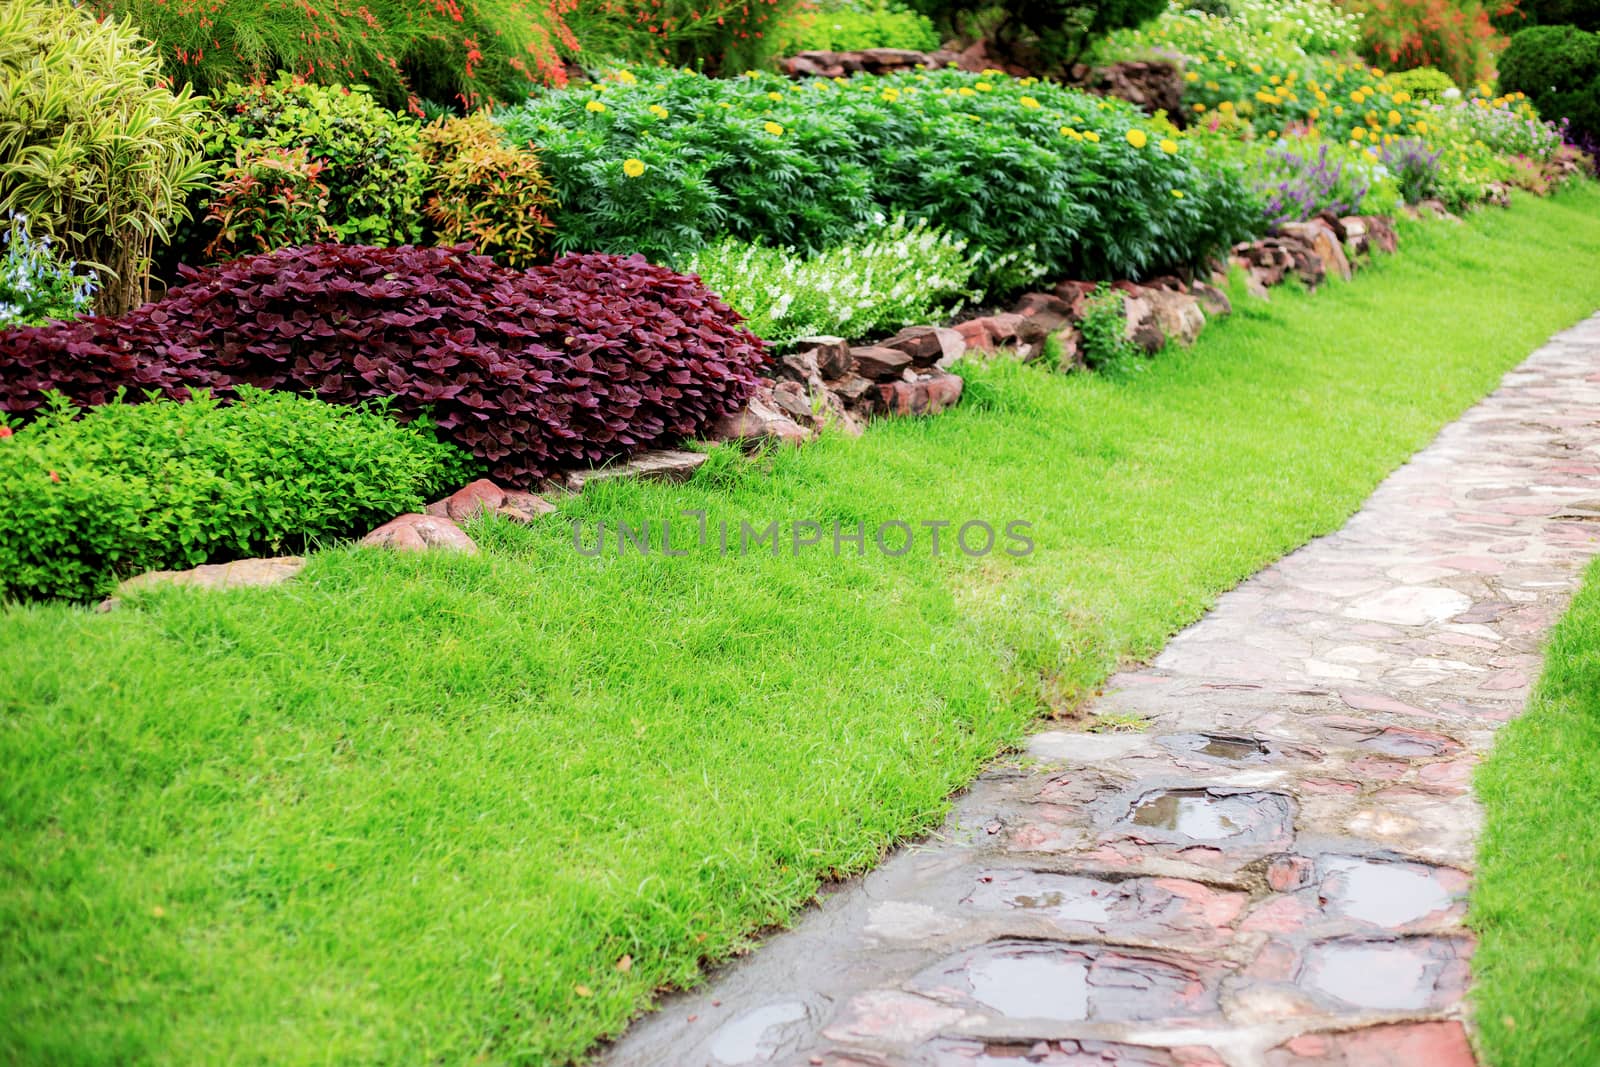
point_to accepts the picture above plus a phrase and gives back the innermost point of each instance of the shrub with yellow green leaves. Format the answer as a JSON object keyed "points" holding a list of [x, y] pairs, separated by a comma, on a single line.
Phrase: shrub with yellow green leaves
{"points": [[94, 149], [485, 191]]}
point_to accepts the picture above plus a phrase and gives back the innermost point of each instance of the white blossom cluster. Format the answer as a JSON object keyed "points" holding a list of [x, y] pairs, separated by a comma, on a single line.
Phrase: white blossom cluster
{"points": [[908, 273]]}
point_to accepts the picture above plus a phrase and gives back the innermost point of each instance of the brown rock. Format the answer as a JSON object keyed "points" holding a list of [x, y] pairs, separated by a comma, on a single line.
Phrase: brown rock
{"points": [[800, 366], [524, 506], [977, 335], [1321, 240], [877, 363], [926, 396], [1141, 327], [416, 533], [234, 575], [665, 465], [762, 421], [929, 346], [1213, 301], [832, 354], [1178, 315], [850, 389]]}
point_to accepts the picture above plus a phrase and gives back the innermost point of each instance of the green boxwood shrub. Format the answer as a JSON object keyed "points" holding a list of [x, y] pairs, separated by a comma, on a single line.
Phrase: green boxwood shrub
{"points": [[1423, 83], [371, 159], [127, 488], [1024, 171], [1558, 67]]}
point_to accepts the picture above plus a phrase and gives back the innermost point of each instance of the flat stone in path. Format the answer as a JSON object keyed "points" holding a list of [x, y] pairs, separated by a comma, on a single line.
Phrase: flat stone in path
{"points": [[1274, 874]]}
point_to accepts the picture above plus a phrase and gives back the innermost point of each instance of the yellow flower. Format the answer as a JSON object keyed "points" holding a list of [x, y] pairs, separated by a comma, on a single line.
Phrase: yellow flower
{"points": [[772, 128], [1213, 86], [1314, 114], [1226, 105], [633, 167], [1272, 135], [1275, 80], [1178, 194], [594, 105], [657, 110], [1192, 76], [625, 77], [1402, 97], [1422, 127], [1169, 146], [725, 104], [1068, 131], [1137, 138], [1199, 108], [1090, 135], [891, 95], [1255, 68], [964, 91], [774, 96], [1338, 109], [1028, 102], [1394, 117], [1358, 133], [982, 87]]}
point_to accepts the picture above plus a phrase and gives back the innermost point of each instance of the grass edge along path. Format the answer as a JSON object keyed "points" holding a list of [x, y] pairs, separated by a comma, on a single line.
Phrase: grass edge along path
{"points": [[481, 809], [1536, 898]]}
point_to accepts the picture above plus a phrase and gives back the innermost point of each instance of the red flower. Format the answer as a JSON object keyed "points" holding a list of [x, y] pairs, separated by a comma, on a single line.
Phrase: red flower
{"points": [[5, 431]]}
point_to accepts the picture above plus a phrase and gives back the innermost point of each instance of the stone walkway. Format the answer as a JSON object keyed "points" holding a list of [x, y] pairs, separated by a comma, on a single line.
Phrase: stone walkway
{"points": [[1274, 873]]}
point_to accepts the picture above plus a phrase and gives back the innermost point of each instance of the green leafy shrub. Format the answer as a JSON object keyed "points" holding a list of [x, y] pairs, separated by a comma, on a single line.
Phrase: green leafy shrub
{"points": [[482, 190], [902, 276], [132, 487], [1512, 17], [1454, 36], [1103, 330], [824, 29], [93, 149], [370, 157], [1025, 172], [270, 198], [719, 37], [472, 51], [1423, 83], [36, 285], [1558, 67]]}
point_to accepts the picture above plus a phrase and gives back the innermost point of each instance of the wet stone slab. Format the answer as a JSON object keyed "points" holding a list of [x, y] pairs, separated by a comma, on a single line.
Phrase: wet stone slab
{"points": [[1157, 909], [1273, 871], [1068, 982]]}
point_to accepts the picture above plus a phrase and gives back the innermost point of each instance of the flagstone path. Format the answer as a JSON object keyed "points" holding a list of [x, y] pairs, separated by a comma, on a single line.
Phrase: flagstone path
{"points": [[1273, 873]]}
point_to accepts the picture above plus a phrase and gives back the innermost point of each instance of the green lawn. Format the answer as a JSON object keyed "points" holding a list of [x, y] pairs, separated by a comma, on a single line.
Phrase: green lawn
{"points": [[1536, 904], [411, 810]]}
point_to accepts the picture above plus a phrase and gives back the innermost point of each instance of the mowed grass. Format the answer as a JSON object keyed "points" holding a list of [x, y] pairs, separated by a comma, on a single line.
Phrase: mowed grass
{"points": [[480, 810], [1536, 903]]}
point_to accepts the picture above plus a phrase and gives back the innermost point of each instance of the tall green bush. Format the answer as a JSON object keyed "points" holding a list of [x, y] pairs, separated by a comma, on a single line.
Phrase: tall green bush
{"points": [[1558, 67], [94, 149]]}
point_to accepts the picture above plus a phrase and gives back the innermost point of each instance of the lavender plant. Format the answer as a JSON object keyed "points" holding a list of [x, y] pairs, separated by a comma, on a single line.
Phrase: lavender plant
{"points": [[36, 285], [1413, 166], [1296, 185]]}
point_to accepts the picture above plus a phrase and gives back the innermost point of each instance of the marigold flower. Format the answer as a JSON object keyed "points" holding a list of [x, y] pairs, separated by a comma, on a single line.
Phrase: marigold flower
{"points": [[964, 91], [1226, 105], [774, 96], [1178, 193], [772, 128], [594, 105], [633, 167], [657, 110], [1090, 135], [1394, 117], [1169, 146], [982, 87], [1137, 138], [1199, 107], [1358, 133], [1028, 102]]}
